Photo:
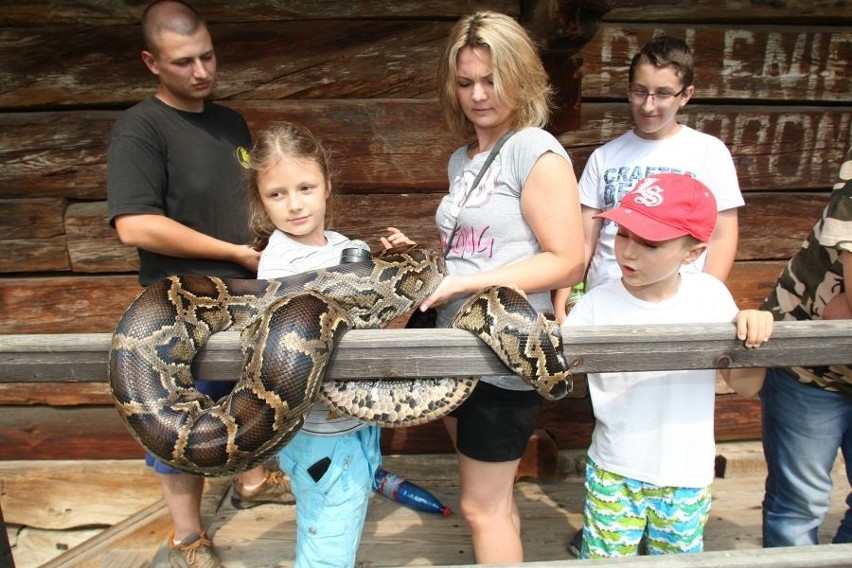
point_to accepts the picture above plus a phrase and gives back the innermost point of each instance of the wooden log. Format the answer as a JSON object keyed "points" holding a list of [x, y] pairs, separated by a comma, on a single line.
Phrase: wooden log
{"points": [[28, 504], [50, 154], [729, 11], [44, 432], [34, 255], [327, 59], [58, 305], [370, 59], [78, 304], [144, 529], [55, 394], [261, 60], [774, 148], [366, 354], [117, 12], [740, 62], [97, 432], [751, 282], [31, 218], [53, 154], [93, 245], [772, 226]]}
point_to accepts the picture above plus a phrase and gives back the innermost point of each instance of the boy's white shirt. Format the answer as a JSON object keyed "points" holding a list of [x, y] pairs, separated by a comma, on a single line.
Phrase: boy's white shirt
{"points": [[614, 168], [656, 426]]}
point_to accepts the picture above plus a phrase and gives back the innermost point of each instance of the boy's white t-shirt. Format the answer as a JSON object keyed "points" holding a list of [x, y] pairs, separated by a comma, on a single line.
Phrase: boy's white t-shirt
{"points": [[614, 168], [655, 426], [284, 257]]}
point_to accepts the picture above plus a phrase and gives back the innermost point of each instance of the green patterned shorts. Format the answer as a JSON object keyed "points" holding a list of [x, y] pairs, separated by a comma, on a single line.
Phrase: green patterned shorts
{"points": [[619, 511]]}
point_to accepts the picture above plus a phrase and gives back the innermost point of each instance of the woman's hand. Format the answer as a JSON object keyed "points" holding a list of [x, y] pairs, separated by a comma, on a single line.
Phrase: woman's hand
{"points": [[449, 288]]}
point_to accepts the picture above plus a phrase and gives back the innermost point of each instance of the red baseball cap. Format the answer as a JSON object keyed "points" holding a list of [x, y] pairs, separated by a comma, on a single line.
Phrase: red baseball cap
{"points": [[666, 206]]}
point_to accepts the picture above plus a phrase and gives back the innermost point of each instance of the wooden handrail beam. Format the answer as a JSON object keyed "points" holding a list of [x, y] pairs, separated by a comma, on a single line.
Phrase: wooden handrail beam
{"points": [[397, 353]]}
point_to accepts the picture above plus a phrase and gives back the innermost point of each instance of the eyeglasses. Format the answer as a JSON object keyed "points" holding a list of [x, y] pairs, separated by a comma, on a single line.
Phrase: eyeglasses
{"points": [[641, 95]]}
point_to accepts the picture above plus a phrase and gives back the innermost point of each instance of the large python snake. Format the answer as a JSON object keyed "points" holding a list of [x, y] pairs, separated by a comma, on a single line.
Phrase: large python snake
{"points": [[289, 329]]}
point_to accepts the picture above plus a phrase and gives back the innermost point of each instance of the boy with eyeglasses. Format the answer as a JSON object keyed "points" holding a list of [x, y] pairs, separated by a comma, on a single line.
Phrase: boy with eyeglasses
{"points": [[660, 84]]}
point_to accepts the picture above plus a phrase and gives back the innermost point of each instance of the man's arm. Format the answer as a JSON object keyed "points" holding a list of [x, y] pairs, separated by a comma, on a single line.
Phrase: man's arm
{"points": [[161, 235]]}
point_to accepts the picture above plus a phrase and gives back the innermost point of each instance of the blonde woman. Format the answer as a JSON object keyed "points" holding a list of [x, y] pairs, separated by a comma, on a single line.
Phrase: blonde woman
{"points": [[519, 226]]}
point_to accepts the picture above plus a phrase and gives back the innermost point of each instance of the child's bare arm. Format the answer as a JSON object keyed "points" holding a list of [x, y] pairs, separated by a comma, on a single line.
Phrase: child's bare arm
{"points": [[396, 238], [753, 328]]}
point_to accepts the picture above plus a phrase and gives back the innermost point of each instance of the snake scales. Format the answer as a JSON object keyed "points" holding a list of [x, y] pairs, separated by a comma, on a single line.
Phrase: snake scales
{"points": [[289, 328]]}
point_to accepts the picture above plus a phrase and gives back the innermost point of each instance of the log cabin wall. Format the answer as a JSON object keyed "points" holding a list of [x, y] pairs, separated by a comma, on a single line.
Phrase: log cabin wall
{"points": [[772, 82]]}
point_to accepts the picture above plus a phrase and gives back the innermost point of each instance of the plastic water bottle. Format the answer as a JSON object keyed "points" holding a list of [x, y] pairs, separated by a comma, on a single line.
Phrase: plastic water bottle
{"points": [[408, 493], [576, 293]]}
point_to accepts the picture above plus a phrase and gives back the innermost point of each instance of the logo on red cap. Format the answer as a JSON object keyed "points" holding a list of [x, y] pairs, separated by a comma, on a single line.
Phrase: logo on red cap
{"points": [[667, 206]]}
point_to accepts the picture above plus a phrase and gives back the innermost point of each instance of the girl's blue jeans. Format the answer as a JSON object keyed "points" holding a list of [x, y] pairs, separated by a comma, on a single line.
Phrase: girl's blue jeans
{"points": [[331, 511]]}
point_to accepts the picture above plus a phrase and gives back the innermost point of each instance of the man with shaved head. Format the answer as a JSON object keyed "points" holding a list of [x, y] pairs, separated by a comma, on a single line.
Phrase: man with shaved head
{"points": [[176, 194]]}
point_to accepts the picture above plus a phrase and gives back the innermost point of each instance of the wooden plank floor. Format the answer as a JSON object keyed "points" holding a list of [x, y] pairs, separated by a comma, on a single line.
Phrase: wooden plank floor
{"points": [[264, 536]]}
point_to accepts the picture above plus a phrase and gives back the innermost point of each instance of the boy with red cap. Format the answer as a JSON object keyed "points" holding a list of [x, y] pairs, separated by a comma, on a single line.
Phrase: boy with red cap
{"points": [[651, 461]]}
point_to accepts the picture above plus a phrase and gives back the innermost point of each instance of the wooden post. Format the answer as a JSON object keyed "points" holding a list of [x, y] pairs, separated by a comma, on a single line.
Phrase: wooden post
{"points": [[6, 560]]}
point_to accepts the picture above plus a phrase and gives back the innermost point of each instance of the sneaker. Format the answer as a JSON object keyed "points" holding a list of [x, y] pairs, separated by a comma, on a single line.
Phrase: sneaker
{"points": [[575, 545], [275, 489], [193, 552]]}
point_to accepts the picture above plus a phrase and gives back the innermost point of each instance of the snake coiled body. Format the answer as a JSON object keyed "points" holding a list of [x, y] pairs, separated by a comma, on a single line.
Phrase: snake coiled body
{"points": [[289, 329]]}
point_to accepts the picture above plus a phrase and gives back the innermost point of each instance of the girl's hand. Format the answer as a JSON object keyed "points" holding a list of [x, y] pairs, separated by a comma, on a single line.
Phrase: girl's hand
{"points": [[754, 327], [396, 238]]}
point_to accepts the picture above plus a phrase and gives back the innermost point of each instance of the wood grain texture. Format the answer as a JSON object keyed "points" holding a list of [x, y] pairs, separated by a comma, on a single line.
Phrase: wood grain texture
{"points": [[360, 57], [734, 62], [408, 353], [729, 11], [115, 12], [774, 148], [97, 432], [92, 304], [60, 304], [26, 503], [551, 511]]}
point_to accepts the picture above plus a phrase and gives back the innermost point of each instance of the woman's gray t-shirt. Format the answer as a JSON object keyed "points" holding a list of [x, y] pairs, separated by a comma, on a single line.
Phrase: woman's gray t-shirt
{"points": [[492, 231]]}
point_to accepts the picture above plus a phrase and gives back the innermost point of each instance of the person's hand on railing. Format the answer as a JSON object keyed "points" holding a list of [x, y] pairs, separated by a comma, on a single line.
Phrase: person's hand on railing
{"points": [[754, 327]]}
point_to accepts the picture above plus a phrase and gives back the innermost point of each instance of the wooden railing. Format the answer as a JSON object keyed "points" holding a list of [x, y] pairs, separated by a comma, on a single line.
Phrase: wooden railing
{"points": [[453, 353]]}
